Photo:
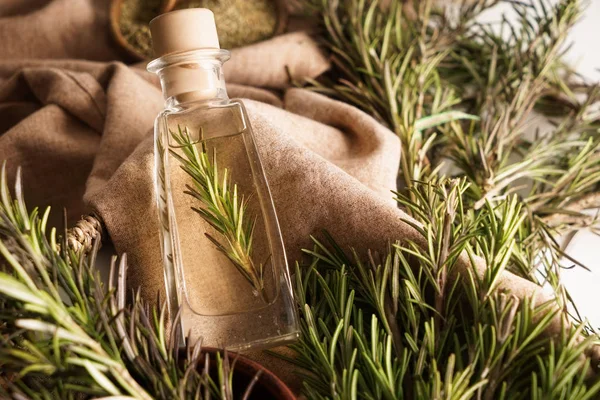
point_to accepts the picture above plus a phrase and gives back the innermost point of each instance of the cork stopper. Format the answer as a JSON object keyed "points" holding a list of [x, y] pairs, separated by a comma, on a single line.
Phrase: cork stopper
{"points": [[184, 30]]}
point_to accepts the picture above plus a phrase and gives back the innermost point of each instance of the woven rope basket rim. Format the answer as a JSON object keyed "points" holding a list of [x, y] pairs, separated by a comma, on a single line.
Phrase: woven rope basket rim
{"points": [[86, 231]]}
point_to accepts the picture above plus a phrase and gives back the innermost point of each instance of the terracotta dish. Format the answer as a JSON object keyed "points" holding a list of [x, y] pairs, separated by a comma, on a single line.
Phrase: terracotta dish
{"points": [[268, 385]]}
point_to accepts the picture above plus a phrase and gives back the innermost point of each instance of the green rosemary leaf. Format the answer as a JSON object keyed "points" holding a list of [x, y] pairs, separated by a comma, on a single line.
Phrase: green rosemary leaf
{"points": [[442, 118]]}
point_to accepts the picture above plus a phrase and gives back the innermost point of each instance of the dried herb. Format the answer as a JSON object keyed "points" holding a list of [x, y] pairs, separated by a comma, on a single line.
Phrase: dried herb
{"points": [[134, 19], [240, 22]]}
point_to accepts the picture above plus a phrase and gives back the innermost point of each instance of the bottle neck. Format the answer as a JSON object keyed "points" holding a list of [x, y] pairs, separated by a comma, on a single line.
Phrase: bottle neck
{"points": [[192, 77]]}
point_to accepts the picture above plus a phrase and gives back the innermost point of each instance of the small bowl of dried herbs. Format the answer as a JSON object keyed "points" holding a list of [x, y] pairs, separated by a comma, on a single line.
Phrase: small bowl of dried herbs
{"points": [[240, 22]]}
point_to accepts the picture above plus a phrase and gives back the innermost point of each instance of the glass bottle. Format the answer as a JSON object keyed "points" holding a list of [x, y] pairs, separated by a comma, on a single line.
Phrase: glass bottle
{"points": [[224, 262]]}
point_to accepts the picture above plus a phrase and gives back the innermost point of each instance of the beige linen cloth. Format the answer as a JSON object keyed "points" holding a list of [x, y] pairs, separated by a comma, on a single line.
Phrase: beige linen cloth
{"points": [[79, 124]]}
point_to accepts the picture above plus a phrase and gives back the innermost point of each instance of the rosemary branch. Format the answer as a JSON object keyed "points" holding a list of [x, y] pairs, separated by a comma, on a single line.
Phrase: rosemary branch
{"points": [[509, 199], [224, 208], [64, 334], [407, 325]]}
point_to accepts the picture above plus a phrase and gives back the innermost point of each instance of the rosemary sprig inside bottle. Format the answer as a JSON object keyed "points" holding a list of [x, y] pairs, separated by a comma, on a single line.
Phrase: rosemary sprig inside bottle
{"points": [[223, 207]]}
